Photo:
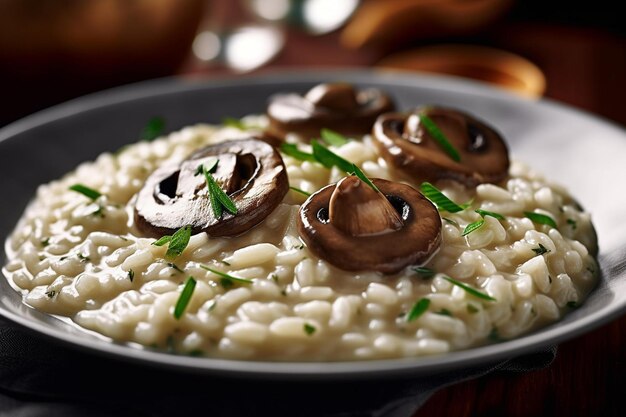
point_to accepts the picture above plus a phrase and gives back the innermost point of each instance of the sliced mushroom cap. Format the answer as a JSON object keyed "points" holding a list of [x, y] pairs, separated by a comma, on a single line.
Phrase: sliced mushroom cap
{"points": [[250, 171], [338, 107], [357, 228], [406, 143]]}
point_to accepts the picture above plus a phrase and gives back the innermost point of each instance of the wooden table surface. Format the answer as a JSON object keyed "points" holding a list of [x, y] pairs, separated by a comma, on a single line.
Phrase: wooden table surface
{"points": [[584, 68]]}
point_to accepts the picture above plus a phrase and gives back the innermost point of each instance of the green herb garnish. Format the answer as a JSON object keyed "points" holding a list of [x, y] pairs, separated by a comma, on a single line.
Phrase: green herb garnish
{"points": [[219, 199], [45, 241], [472, 309], [330, 159], [304, 193], [86, 191], [472, 226], [484, 213], [184, 298], [361, 175], [418, 309], [572, 223], [450, 221], [233, 122], [469, 289], [333, 138], [444, 312], [83, 258], [131, 275], [424, 272], [572, 304], [227, 280], [309, 329], [441, 201], [175, 267], [292, 150], [494, 336], [439, 137], [540, 250], [51, 293], [540, 218], [153, 129], [176, 242]]}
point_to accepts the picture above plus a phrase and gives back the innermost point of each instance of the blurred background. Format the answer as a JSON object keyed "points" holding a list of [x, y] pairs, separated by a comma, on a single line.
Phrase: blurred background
{"points": [[55, 50]]}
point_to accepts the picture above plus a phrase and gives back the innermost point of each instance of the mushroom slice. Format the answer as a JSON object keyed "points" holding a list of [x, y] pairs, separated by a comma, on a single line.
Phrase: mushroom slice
{"points": [[408, 145], [250, 171], [333, 106], [356, 228]]}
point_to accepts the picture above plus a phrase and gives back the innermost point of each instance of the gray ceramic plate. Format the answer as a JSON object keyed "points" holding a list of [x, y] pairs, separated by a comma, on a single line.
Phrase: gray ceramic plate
{"points": [[575, 149]]}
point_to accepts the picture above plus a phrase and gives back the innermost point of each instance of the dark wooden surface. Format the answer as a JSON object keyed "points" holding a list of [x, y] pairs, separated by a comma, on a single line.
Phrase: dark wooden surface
{"points": [[585, 68]]}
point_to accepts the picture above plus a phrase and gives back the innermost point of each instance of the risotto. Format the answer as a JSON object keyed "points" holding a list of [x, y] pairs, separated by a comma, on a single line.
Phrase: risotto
{"points": [[515, 254]]}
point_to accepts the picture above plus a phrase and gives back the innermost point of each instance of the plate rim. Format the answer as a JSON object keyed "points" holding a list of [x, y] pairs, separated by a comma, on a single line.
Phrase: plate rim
{"points": [[420, 366]]}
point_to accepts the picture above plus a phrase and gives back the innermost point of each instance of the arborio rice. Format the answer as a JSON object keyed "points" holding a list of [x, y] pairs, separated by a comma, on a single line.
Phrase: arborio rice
{"points": [[85, 260]]}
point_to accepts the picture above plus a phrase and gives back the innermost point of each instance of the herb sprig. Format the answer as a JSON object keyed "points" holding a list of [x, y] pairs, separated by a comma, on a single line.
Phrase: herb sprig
{"points": [[299, 191], [441, 201], [477, 224], [418, 309], [227, 280], [153, 129], [176, 243], [540, 218], [469, 289], [184, 298], [219, 199], [333, 138], [86, 191], [439, 137]]}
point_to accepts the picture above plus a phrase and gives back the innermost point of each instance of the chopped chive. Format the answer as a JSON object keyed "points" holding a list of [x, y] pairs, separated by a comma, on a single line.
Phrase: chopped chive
{"points": [[184, 298], [292, 150], [333, 138], [225, 263], [45, 241], [219, 199], [424, 272], [444, 312], [361, 175], [227, 277], [418, 309], [328, 158], [309, 329], [162, 240], [484, 213], [131, 275], [450, 221], [540, 218], [473, 226], [175, 267], [86, 191], [51, 293], [540, 250], [439, 137], [233, 122], [441, 201], [153, 129], [572, 223], [469, 289], [472, 309], [304, 193]]}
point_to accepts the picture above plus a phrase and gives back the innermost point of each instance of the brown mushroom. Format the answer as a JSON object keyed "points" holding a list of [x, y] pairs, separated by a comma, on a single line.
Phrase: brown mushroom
{"points": [[250, 171], [356, 228], [406, 144], [338, 107]]}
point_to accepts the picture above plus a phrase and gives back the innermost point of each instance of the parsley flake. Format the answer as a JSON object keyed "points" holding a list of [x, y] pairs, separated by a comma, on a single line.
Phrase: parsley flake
{"points": [[153, 129], [131, 275], [309, 329], [540, 250]]}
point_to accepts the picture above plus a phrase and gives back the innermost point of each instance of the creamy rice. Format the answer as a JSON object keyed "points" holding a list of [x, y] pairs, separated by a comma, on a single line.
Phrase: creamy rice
{"points": [[73, 257]]}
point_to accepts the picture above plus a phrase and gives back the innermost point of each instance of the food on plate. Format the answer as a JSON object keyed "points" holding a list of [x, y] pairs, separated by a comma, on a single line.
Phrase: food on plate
{"points": [[414, 236]]}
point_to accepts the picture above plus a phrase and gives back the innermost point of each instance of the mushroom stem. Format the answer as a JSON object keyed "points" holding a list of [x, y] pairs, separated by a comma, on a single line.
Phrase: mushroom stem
{"points": [[358, 210]]}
